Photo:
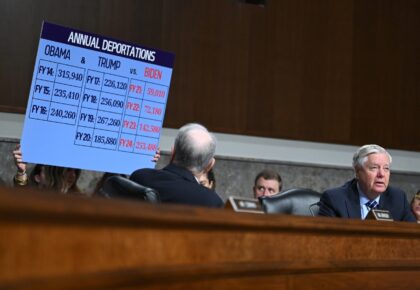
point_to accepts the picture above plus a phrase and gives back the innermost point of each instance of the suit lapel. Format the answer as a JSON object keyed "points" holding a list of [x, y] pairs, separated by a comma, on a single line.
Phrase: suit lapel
{"points": [[353, 201], [384, 202]]}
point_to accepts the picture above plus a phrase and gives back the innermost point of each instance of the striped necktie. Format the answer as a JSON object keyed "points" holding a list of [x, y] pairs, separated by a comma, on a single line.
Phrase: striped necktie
{"points": [[371, 204]]}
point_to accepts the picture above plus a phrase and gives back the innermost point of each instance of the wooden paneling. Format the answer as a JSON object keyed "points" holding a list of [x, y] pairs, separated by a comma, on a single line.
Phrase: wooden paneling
{"points": [[308, 71], [58, 242], [134, 21], [343, 72], [386, 73]]}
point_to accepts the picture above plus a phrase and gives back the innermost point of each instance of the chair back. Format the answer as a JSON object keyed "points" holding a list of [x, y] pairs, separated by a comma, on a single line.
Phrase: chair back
{"points": [[296, 201], [121, 187]]}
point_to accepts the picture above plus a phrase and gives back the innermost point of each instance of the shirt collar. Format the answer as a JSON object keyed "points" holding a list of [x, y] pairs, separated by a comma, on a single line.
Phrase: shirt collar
{"points": [[363, 198]]}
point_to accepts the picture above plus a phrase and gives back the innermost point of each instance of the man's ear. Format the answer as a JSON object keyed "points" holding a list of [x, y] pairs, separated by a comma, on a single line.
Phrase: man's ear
{"points": [[356, 172], [254, 191], [210, 165]]}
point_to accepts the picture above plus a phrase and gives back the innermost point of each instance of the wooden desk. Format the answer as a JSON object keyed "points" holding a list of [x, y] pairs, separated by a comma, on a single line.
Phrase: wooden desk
{"points": [[59, 242]]}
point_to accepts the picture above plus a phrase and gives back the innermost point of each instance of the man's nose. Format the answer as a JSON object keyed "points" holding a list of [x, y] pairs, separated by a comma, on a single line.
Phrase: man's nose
{"points": [[381, 172]]}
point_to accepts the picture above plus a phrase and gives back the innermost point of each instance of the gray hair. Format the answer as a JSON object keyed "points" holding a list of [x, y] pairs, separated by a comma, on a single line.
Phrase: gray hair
{"points": [[361, 155], [194, 147]]}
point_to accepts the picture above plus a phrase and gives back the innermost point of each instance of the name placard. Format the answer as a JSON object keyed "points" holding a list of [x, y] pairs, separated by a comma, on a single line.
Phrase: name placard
{"points": [[95, 103], [243, 204], [380, 215]]}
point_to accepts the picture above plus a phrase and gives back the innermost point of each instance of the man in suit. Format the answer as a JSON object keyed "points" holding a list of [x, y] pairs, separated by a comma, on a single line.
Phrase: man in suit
{"points": [[192, 156], [369, 189]]}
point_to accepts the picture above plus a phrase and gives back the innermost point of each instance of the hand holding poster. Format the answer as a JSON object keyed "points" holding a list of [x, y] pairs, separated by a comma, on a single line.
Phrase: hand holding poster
{"points": [[95, 103]]}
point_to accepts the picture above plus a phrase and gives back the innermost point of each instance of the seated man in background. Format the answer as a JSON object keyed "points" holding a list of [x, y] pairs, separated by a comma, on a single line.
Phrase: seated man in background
{"points": [[369, 189], [267, 183], [192, 156]]}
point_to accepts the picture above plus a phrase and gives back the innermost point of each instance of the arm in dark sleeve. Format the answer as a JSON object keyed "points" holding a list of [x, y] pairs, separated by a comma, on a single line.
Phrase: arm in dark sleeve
{"points": [[326, 208]]}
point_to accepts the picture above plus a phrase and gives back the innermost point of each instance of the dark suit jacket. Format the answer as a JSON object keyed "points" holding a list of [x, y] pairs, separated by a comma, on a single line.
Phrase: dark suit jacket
{"points": [[177, 185], [344, 202]]}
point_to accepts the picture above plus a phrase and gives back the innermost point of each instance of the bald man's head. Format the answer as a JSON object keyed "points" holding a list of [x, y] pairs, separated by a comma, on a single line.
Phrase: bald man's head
{"points": [[194, 148]]}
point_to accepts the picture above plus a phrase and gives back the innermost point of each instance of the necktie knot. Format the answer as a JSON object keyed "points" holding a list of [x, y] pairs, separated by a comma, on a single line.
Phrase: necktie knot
{"points": [[371, 204]]}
